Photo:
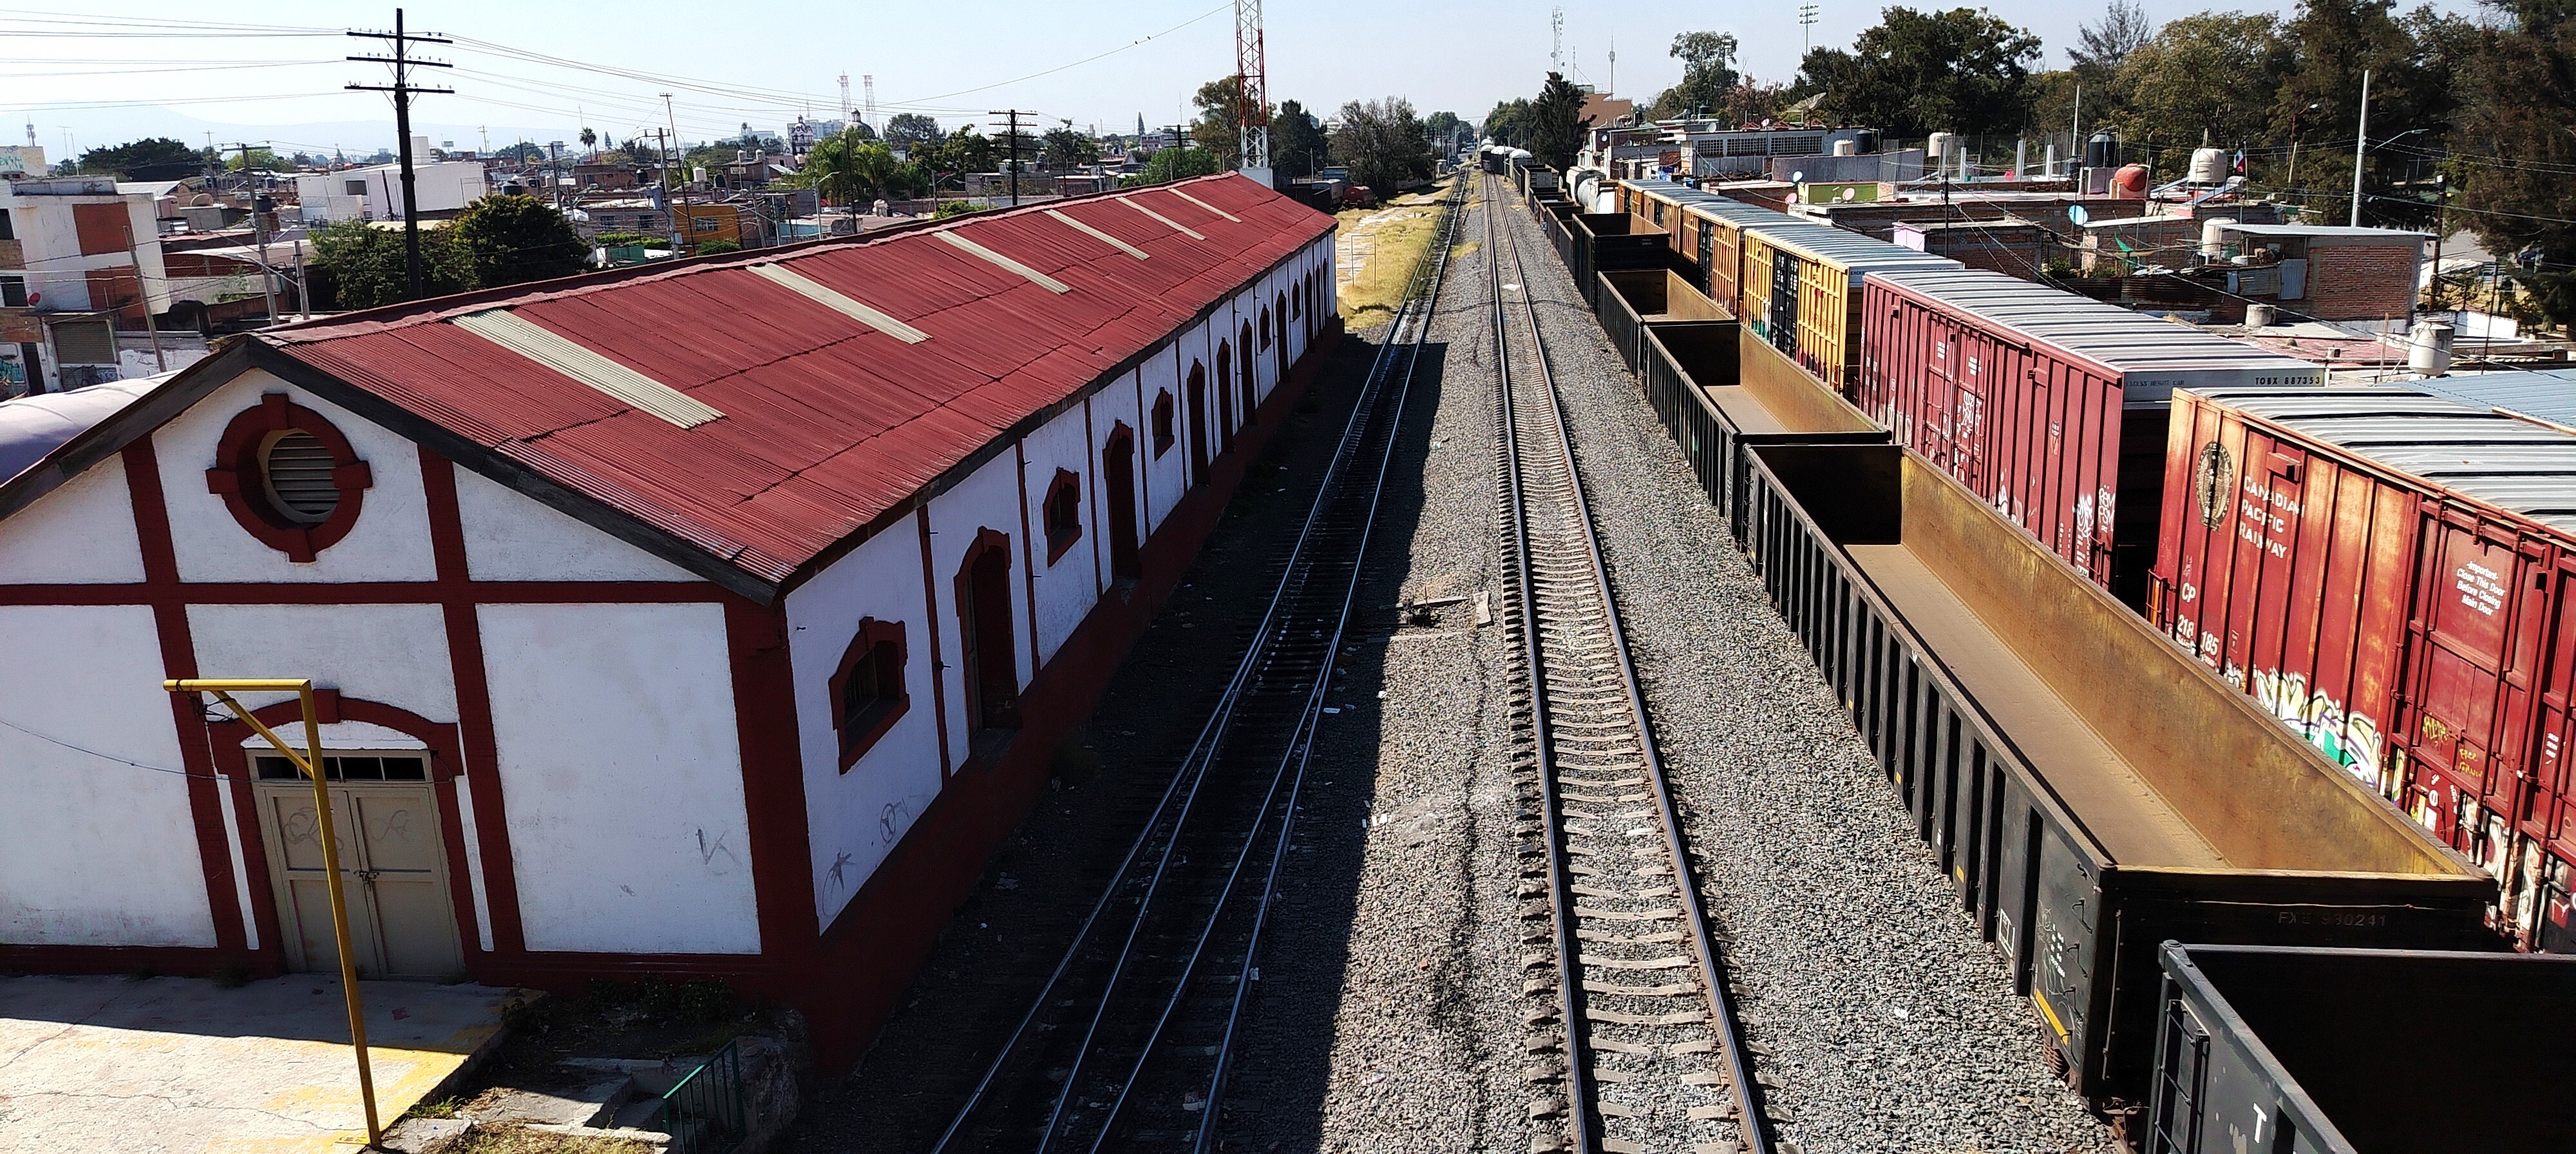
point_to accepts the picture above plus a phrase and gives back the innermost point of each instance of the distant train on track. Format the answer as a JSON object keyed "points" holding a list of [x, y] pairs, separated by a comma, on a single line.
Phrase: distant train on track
{"points": [[2387, 575]]}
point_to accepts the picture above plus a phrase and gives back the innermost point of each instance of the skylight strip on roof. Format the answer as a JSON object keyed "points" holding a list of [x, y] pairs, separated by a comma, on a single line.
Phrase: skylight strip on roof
{"points": [[1177, 226], [1207, 206], [553, 350], [839, 302], [1100, 236], [1034, 277]]}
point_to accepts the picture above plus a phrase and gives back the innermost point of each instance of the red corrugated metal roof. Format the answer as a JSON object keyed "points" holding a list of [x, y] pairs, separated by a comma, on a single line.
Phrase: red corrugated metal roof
{"points": [[828, 423]]}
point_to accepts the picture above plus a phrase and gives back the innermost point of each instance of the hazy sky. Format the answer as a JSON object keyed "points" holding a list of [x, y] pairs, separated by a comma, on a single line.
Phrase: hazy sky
{"points": [[181, 69]]}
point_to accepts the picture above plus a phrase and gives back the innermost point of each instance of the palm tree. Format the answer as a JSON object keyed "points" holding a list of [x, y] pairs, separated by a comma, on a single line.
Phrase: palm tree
{"points": [[849, 166]]}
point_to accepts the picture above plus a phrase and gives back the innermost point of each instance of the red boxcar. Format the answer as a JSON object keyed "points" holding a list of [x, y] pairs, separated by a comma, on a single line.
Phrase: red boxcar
{"points": [[2049, 405], [2388, 573]]}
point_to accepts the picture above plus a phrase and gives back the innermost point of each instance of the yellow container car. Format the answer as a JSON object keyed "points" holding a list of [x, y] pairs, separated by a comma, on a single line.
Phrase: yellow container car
{"points": [[1800, 290]]}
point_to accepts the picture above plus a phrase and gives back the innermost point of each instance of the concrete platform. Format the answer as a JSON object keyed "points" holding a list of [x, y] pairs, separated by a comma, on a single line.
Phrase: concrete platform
{"points": [[112, 1065]]}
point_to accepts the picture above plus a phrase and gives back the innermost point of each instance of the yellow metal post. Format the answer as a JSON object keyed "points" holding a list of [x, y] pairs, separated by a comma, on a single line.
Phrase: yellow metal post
{"points": [[310, 763]]}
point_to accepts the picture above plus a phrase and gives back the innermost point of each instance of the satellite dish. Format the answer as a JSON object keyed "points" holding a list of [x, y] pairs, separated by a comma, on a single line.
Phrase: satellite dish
{"points": [[1798, 177], [1851, 194], [2079, 216]]}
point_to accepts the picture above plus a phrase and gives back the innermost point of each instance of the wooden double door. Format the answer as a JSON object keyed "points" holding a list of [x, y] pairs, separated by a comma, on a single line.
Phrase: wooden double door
{"points": [[393, 868]]}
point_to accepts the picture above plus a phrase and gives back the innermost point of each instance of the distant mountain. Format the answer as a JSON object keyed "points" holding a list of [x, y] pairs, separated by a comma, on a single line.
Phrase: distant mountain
{"points": [[97, 127]]}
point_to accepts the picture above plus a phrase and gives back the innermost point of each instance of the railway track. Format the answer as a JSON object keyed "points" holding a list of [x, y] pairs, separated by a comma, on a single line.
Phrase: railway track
{"points": [[1637, 1045], [1128, 1044]]}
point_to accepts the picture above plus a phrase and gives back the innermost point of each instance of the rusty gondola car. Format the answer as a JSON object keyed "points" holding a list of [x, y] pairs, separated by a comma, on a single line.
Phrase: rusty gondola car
{"points": [[2090, 789]]}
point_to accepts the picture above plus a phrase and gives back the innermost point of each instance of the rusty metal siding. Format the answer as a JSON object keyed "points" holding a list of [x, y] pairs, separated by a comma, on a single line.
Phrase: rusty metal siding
{"points": [[2388, 573], [830, 423]]}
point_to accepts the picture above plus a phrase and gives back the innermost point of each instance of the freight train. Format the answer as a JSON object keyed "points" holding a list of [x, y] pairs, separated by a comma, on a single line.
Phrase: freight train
{"points": [[2375, 581]]}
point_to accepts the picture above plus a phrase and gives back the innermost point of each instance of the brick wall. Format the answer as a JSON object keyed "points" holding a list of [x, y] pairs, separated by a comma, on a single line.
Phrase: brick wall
{"points": [[2013, 249], [2350, 282]]}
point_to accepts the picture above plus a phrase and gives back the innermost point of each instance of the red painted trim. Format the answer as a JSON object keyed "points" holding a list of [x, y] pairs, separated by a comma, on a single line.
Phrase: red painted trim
{"points": [[1028, 553], [179, 659], [773, 781], [938, 667], [446, 760], [368, 593], [482, 750], [236, 476]]}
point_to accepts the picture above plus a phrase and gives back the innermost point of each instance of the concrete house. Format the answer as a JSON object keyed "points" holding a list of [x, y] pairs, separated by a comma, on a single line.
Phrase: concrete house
{"points": [[714, 618]]}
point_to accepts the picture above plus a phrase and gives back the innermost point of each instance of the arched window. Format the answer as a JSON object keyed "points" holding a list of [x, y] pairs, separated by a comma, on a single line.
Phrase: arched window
{"points": [[1224, 398], [867, 690], [1063, 513], [289, 477], [1163, 436], [1265, 330], [1243, 351]]}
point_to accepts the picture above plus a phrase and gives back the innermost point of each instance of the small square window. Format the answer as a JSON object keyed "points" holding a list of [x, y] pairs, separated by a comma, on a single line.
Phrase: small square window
{"points": [[1063, 513], [868, 692]]}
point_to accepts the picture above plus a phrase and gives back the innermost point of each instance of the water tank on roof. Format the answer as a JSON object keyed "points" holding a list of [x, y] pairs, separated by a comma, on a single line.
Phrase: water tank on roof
{"points": [[2130, 183], [2102, 151], [1941, 144], [2209, 166]]}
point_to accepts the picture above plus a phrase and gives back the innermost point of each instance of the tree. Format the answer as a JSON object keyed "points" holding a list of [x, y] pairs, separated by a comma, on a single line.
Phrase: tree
{"points": [[2213, 76], [1383, 144], [524, 152], [1444, 127], [359, 266], [911, 130], [2412, 62], [1170, 164], [1556, 122], [1220, 123], [258, 160], [1963, 70], [589, 138], [1708, 74], [1509, 123], [2102, 46], [965, 150], [1068, 148], [2512, 151], [514, 239], [125, 158], [847, 167], [1297, 145]]}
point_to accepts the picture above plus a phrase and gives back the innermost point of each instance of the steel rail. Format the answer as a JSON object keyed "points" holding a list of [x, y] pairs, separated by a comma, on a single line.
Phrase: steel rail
{"points": [[1578, 1091], [1192, 771], [1442, 244], [1754, 1124]]}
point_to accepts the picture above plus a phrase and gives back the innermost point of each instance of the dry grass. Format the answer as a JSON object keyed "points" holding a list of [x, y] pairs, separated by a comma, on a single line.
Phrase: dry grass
{"points": [[506, 1138], [1377, 249]]}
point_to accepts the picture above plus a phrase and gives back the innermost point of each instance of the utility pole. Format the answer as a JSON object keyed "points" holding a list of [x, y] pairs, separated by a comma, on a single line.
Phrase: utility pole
{"points": [[1014, 118], [2360, 145], [259, 236], [403, 90]]}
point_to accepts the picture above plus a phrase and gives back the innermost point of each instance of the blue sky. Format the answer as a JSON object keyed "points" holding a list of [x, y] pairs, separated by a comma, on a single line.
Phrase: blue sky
{"points": [[766, 62]]}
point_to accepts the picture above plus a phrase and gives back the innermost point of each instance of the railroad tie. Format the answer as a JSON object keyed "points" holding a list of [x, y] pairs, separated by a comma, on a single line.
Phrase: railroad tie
{"points": [[1672, 963]]}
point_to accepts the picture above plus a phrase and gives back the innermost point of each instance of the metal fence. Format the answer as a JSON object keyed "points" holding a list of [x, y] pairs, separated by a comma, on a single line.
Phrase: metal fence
{"points": [[705, 1113]]}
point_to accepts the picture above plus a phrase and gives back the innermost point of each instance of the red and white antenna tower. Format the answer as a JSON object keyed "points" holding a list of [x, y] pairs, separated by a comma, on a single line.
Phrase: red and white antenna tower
{"points": [[868, 85], [1252, 78], [845, 100]]}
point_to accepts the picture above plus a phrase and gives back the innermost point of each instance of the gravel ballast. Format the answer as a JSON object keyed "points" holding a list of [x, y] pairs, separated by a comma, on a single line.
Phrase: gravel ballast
{"points": [[1889, 1024]]}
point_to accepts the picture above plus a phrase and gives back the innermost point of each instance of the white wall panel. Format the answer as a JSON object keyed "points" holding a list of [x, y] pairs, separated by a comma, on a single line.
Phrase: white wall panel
{"points": [[1167, 473], [622, 767], [1066, 587], [854, 818], [93, 852], [389, 542], [511, 537], [81, 533], [394, 654], [988, 498]]}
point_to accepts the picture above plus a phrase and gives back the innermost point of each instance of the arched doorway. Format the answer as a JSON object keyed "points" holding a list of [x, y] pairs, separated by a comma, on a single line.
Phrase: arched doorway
{"points": [[1198, 424], [1224, 399], [1280, 354], [1243, 351], [1118, 476], [984, 624]]}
